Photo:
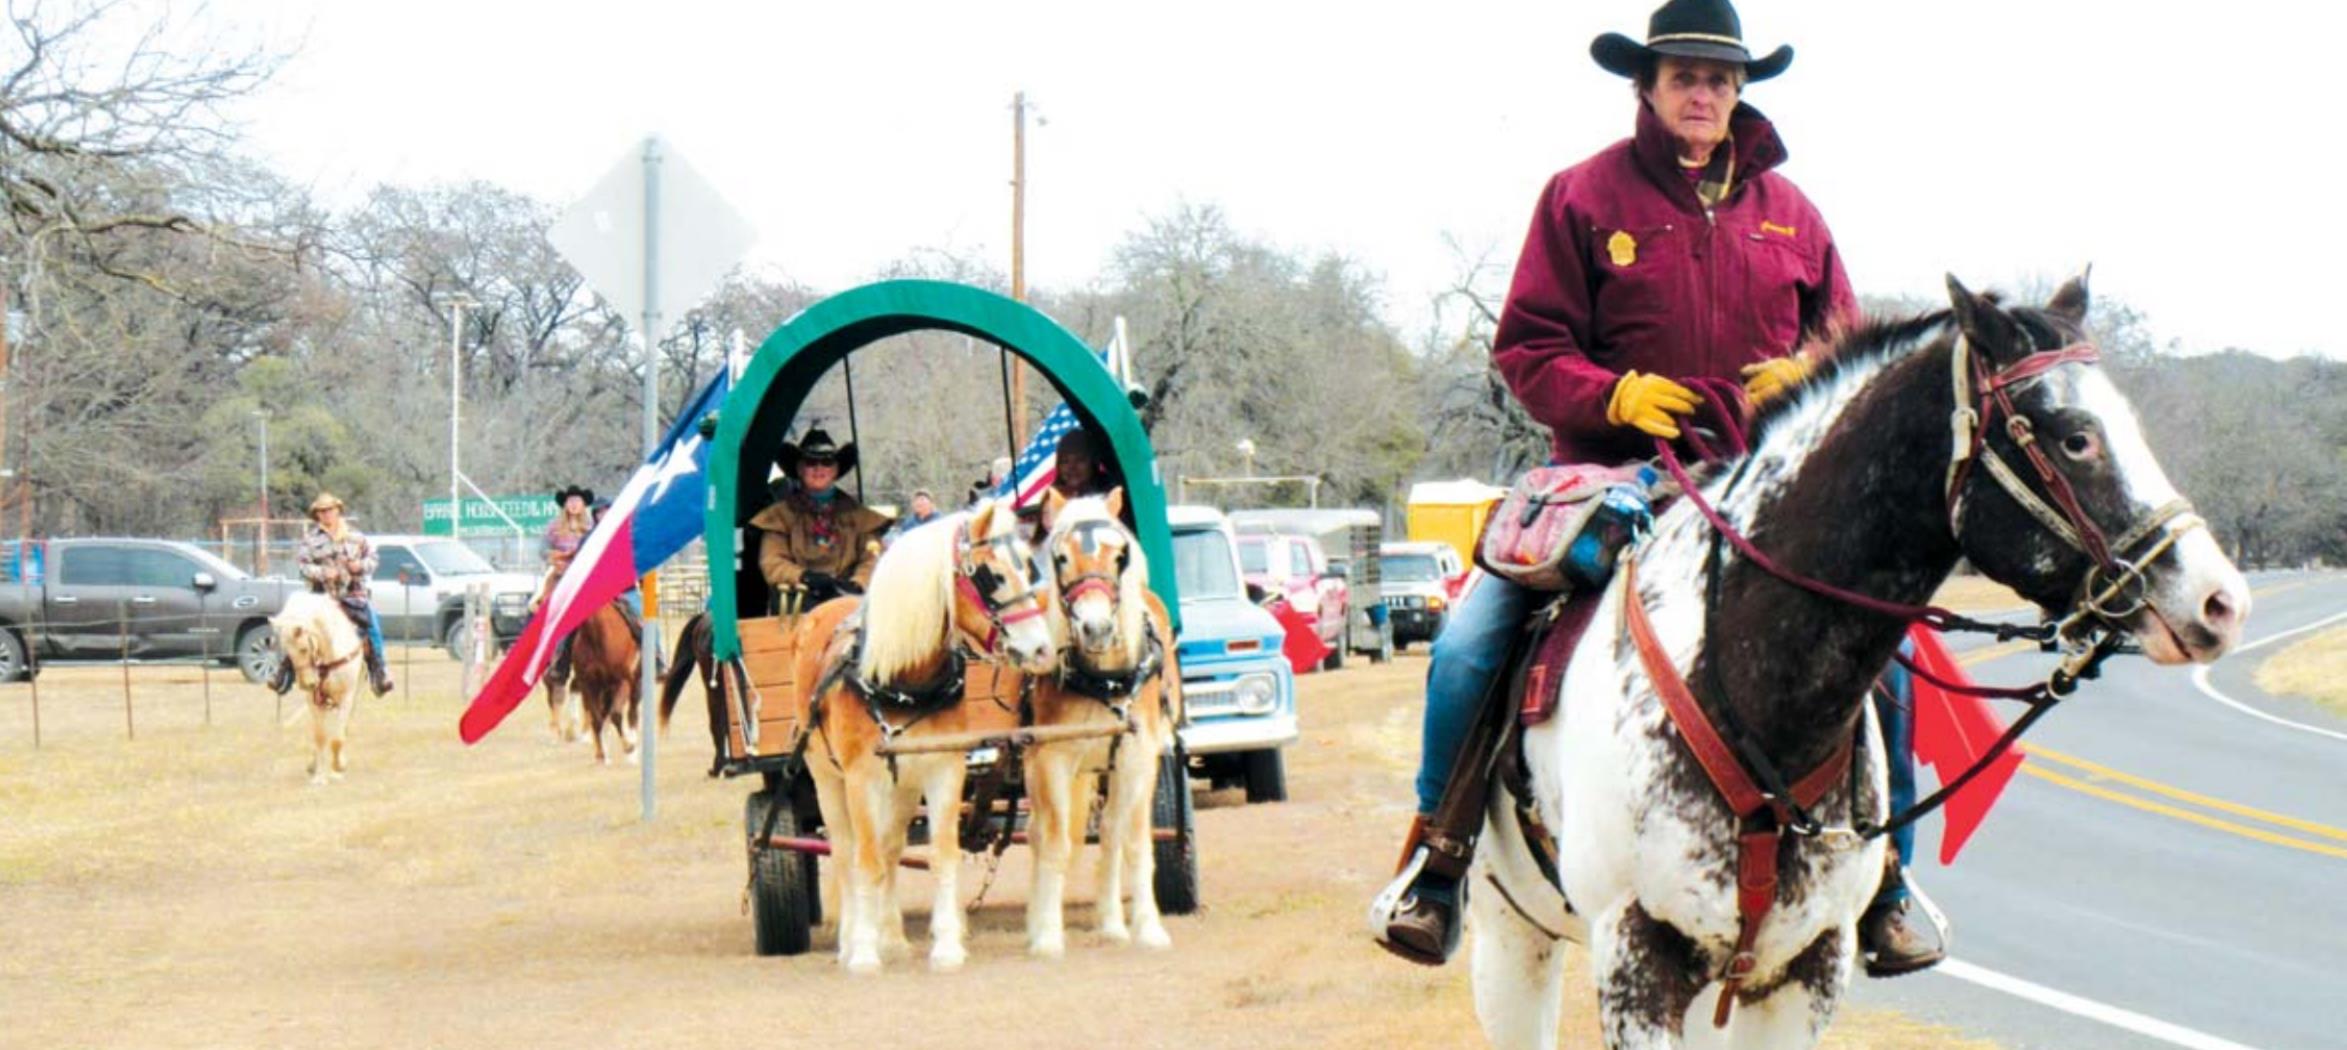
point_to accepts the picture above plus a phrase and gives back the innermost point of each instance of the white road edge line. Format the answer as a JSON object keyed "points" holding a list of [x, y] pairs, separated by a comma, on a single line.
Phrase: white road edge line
{"points": [[2200, 681], [2148, 1027]]}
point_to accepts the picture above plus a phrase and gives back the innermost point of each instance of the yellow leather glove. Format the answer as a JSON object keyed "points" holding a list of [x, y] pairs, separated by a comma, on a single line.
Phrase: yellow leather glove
{"points": [[1767, 379], [1651, 404]]}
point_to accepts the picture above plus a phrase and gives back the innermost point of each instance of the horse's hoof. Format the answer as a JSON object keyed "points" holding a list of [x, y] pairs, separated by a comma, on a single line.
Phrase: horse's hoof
{"points": [[944, 959], [1116, 932], [1052, 946], [1153, 937], [863, 965], [335, 776]]}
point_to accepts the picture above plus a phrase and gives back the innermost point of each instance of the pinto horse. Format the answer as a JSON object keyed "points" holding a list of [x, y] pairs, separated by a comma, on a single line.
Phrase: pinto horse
{"points": [[603, 670], [1891, 463], [892, 678], [1118, 673], [327, 654]]}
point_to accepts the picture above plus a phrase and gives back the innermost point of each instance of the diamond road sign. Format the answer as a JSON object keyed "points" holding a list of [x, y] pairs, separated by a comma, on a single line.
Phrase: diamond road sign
{"points": [[699, 236]]}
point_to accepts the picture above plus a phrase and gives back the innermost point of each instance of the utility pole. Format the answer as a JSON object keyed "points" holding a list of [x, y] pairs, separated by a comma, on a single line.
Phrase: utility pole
{"points": [[1018, 259], [6, 475]]}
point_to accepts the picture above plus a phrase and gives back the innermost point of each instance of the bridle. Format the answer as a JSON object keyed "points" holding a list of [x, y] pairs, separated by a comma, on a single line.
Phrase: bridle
{"points": [[2114, 576], [2111, 591], [978, 582], [1111, 583]]}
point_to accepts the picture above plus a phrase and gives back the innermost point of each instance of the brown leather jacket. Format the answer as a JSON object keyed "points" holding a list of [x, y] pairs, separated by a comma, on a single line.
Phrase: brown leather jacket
{"points": [[841, 538]]}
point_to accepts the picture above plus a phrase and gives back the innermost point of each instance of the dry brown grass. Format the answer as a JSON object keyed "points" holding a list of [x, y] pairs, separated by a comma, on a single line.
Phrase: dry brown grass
{"points": [[188, 889], [2314, 667], [1978, 596]]}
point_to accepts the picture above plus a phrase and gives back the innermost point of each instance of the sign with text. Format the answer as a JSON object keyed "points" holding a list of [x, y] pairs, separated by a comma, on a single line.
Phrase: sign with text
{"points": [[481, 516]]}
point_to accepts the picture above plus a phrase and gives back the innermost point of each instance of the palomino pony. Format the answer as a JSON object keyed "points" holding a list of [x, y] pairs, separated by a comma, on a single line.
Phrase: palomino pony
{"points": [[603, 675], [892, 677], [328, 656], [1890, 464], [1118, 671]]}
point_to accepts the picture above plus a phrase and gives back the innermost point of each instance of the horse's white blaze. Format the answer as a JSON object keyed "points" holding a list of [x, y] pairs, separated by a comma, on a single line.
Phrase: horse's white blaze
{"points": [[2140, 476]]}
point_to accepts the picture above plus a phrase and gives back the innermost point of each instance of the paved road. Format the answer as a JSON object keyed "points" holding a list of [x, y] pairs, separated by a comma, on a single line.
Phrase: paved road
{"points": [[2170, 863]]}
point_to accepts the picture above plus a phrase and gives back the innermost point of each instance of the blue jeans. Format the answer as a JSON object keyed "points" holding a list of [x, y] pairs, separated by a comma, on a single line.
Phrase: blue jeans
{"points": [[1897, 715], [1465, 659], [375, 631]]}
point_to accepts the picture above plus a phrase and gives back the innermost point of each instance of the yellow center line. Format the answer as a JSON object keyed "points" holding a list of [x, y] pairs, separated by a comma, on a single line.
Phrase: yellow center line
{"points": [[2192, 797], [2185, 815]]}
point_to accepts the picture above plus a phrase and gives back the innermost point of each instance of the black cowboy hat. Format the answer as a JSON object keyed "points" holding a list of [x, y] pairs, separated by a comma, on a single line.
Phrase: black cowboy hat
{"points": [[585, 495], [816, 446], [1689, 29]]}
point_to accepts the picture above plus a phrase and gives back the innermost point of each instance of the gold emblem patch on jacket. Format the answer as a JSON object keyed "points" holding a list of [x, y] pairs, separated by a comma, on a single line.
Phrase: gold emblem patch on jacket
{"points": [[1622, 247]]}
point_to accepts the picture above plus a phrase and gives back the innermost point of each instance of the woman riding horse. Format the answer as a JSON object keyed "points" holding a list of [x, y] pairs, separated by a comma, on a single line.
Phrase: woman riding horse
{"points": [[818, 539], [337, 559], [1678, 252]]}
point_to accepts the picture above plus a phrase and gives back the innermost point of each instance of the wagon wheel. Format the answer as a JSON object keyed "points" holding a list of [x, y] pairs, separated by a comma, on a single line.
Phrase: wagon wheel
{"points": [[782, 882], [1176, 879]]}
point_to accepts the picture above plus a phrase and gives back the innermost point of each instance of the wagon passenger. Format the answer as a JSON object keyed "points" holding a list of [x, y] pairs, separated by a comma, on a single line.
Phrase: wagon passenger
{"points": [[816, 535], [1676, 253], [337, 559]]}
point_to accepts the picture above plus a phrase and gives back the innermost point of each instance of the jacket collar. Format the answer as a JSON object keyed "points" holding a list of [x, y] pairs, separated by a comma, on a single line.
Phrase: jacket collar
{"points": [[1752, 136]]}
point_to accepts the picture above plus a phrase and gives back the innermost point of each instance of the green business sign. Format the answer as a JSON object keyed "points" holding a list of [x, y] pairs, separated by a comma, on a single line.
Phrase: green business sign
{"points": [[482, 517]]}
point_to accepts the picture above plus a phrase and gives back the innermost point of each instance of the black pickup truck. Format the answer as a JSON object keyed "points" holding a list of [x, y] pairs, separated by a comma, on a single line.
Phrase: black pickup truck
{"points": [[80, 598]]}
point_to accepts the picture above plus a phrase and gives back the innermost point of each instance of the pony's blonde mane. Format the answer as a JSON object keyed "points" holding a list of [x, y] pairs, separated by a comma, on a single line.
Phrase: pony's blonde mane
{"points": [[1132, 609], [907, 607]]}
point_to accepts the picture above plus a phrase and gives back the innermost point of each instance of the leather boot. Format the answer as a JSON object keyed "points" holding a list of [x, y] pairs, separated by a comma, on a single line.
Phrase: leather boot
{"points": [[1417, 915], [1901, 932], [378, 670]]}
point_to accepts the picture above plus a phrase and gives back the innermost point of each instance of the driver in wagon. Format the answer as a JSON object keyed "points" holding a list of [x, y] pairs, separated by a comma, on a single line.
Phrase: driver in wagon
{"points": [[1678, 253], [816, 536]]}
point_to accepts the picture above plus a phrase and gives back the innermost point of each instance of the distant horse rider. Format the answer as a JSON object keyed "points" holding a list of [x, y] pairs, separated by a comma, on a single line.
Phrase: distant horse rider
{"points": [[817, 536], [337, 560]]}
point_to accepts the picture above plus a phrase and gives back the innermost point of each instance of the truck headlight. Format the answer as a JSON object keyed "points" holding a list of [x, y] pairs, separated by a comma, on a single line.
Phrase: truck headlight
{"points": [[1258, 694], [1434, 604]]}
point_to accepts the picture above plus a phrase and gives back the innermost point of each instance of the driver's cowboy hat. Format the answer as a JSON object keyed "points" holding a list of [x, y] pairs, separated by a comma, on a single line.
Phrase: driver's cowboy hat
{"points": [[325, 501], [1689, 29], [586, 495], [816, 446]]}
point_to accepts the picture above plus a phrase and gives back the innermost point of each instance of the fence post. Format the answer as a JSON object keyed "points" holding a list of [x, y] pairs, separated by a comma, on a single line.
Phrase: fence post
{"points": [[122, 622], [407, 648], [32, 676], [204, 628]]}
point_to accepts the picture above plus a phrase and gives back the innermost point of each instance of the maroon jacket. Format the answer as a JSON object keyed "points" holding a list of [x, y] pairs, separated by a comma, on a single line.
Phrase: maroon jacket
{"points": [[1624, 270]]}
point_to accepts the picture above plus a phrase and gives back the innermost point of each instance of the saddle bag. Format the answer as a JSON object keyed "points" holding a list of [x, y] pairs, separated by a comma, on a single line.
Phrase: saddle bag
{"points": [[1561, 526]]}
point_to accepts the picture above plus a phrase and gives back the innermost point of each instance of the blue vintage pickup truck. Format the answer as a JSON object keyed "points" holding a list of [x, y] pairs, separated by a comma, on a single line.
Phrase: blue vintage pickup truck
{"points": [[1237, 688]]}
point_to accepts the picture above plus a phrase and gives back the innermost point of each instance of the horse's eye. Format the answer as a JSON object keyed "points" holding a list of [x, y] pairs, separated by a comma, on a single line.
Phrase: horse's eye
{"points": [[2082, 446]]}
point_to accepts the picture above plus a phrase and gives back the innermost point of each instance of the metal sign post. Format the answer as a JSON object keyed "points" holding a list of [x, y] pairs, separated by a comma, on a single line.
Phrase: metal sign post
{"points": [[614, 235]]}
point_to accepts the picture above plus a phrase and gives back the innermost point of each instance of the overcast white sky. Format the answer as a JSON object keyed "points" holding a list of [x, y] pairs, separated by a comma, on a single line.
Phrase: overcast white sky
{"points": [[2183, 149]]}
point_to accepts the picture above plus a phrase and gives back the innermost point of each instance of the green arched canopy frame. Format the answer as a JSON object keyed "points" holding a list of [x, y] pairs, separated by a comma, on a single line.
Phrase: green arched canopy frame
{"points": [[757, 416]]}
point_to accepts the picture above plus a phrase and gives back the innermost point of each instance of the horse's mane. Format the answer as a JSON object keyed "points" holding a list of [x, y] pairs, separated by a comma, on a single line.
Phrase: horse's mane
{"points": [[906, 608], [1132, 608], [1866, 348]]}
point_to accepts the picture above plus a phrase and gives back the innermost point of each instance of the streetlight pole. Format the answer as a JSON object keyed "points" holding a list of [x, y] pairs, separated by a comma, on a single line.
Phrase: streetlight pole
{"points": [[456, 371], [261, 551]]}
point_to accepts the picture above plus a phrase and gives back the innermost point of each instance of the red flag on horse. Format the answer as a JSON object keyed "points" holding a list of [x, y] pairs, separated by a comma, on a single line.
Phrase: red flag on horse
{"points": [[1952, 731]]}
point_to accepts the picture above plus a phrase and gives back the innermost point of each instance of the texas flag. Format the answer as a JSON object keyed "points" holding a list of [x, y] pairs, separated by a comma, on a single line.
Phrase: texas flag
{"points": [[655, 516]]}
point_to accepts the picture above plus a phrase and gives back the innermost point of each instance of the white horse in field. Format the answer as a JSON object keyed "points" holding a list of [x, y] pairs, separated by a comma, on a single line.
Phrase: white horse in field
{"points": [[328, 656]]}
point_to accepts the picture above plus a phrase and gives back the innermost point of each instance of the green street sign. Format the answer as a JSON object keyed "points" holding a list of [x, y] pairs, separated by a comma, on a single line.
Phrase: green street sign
{"points": [[481, 517]]}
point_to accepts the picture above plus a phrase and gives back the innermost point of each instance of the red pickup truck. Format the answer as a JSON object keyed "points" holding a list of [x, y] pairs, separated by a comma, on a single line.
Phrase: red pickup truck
{"points": [[1296, 569]]}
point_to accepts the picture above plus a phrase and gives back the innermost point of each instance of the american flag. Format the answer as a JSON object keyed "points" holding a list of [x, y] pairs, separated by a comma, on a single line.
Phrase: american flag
{"points": [[1039, 464]]}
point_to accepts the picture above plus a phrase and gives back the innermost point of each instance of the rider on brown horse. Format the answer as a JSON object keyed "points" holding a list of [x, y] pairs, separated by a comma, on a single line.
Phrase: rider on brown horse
{"points": [[818, 537]]}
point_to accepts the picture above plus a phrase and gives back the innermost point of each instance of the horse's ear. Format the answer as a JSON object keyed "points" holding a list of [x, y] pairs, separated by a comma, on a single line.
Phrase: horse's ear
{"points": [[982, 520], [2070, 300], [1984, 325], [1052, 502], [1116, 502]]}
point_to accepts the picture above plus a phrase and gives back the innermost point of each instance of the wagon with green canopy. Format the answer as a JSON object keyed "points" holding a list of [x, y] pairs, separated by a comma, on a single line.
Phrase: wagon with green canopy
{"points": [[766, 723]]}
